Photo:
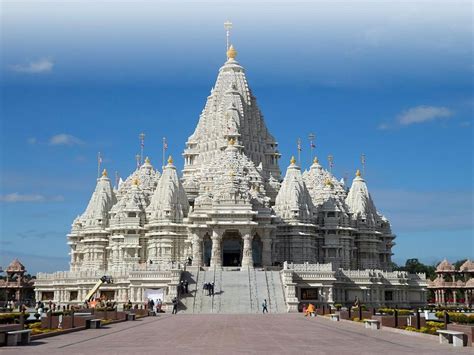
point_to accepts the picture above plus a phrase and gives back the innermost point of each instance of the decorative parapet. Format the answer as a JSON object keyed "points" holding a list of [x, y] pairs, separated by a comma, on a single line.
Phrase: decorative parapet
{"points": [[324, 272], [307, 267]]}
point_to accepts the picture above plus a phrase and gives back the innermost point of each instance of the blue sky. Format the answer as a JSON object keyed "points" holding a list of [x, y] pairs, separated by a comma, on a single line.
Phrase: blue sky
{"points": [[390, 79]]}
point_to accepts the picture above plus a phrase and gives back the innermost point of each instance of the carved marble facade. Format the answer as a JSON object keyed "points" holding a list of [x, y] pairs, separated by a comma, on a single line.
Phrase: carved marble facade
{"points": [[231, 207]]}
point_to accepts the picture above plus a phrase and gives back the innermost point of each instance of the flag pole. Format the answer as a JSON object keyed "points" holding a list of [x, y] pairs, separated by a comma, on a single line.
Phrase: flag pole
{"points": [[298, 142], [99, 161], [362, 160], [311, 137], [331, 162], [141, 136], [165, 146]]}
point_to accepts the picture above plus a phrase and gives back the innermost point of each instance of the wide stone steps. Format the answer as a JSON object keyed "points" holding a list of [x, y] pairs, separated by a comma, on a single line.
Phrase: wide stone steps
{"points": [[239, 292]]}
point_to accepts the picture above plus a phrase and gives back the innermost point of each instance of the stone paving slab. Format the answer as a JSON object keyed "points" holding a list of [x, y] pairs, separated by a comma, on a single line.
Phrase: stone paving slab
{"points": [[235, 334]]}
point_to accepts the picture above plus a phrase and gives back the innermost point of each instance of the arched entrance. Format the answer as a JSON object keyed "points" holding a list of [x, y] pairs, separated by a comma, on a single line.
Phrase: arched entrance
{"points": [[232, 249]]}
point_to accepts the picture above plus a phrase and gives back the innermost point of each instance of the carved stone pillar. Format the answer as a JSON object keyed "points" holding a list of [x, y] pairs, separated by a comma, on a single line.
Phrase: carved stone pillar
{"points": [[247, 259], [197, 250], [216, 255], [267, 251]]}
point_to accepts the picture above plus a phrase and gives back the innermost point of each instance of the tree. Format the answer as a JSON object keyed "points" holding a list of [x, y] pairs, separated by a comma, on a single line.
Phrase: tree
{"points": [[415, 266]]}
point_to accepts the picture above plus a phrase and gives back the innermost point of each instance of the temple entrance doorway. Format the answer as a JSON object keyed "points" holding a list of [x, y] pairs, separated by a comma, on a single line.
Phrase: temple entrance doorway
{"points": [[207, 250], [232, 249], [257, 251]]}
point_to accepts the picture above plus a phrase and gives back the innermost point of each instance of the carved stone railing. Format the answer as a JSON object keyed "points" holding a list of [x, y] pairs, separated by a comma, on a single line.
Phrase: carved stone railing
{"points": [[307, 267]]}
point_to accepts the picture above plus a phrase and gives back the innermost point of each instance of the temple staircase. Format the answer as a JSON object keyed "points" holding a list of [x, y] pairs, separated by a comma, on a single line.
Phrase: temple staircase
{"points": [[238, 291]]}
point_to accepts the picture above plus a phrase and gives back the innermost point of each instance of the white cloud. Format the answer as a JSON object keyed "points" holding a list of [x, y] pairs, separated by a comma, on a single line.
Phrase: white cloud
{"points": [[17, 197], [416, 115], [420, 114], [65, 139], [42, 65]]}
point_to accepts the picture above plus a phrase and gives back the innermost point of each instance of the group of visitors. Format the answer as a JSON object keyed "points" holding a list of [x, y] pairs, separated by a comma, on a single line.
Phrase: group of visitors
{"points": [[155, 306], [209, 286]]}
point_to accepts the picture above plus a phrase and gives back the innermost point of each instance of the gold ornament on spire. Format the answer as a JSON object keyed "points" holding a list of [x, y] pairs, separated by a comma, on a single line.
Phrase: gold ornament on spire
{"points": [[293, 160], [358, 174], [104, 173], [147, 160], [232, 141], [135, 182], [315, 160], [231, 52], [170, 160]]}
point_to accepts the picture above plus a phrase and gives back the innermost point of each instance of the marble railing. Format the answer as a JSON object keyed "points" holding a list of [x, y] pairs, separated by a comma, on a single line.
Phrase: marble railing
{"points": [[307, 267], [138, 271], [150, 275], [310, 275]]}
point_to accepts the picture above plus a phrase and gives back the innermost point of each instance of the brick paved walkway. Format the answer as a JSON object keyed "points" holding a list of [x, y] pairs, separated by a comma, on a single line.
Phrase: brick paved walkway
{"points": [[236, 334]]}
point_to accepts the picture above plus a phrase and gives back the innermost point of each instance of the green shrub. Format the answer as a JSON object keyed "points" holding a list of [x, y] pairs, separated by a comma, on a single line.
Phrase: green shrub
{"points": [[391, 311], [436, 325], [36, 325], [14, 317], [457, 317]]}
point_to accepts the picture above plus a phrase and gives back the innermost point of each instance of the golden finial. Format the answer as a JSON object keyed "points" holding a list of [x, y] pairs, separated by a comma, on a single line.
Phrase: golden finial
{"points": [[328, 182], [135, 181], [293, 160], [147, 160], [104, 173], [315, 160], [231, 52], [358, 173], [232, 141], [170, 160]]}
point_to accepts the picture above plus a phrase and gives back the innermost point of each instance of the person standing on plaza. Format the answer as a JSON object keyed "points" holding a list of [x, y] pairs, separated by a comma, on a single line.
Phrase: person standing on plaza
{"points": [[175, 306], [264, 306], [158, 305], [186, 284]]}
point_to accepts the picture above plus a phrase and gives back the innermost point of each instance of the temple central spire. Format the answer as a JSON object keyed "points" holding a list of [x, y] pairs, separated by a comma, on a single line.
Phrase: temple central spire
{"points": [[230, 112]]}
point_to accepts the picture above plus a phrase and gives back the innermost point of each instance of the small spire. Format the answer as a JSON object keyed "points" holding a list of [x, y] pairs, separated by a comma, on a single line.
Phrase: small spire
{"points": [[147, 160], [104, 173], [231, 52], [358, 174], [170, 160], [315, 160], [293, 160]]}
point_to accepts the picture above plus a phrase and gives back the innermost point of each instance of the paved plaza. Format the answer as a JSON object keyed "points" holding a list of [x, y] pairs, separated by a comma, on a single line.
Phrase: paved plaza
{"points": [[236, 334]]}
